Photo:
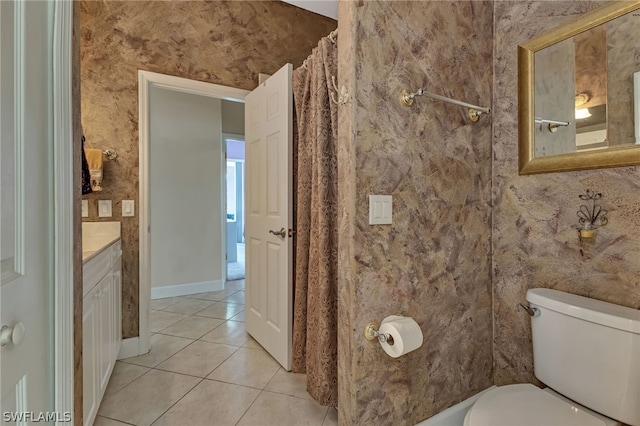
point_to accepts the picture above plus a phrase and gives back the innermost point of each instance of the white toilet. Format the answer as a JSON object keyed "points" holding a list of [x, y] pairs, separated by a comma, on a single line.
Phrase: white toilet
{"points": [[587, 351]]}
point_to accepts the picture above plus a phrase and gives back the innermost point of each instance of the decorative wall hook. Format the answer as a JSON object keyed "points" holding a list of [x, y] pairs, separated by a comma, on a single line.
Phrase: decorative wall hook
{"points": [[343, 94], [590, 216]]}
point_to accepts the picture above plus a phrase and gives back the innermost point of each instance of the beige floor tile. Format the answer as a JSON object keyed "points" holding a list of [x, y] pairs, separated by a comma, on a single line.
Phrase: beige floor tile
{"points": [[275, 409], [291, 384], [192, 327], [122, 375], [161, 319], [214, 295], [238, 317], [144, 400], [229, 333], [210, 403], [198, 359], [237, 297], [234, 285], [221, 310], [160, 304], [189, 306], [251, 343], [332, 417], [162, 347], [103, 421], [247, 367]]}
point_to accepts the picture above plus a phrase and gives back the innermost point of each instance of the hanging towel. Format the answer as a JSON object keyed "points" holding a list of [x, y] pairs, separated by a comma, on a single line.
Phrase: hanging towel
{"points": [[86, 176], [94, 160]]}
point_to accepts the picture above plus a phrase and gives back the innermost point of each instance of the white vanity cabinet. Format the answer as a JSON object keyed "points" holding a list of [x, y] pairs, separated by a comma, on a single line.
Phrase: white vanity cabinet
{"points": [[101, 324]]}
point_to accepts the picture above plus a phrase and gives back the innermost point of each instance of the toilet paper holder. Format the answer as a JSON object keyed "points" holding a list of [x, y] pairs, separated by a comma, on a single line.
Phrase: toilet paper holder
{"points": [[371, 332]]}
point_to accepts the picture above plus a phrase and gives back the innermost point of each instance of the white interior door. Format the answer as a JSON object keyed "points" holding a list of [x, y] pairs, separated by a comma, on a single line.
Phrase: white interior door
{"points": [[269, 246], [26, 307]]}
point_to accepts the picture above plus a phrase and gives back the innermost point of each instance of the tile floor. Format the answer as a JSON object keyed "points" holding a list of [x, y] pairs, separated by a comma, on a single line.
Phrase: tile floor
{"points": [[204, 369]]}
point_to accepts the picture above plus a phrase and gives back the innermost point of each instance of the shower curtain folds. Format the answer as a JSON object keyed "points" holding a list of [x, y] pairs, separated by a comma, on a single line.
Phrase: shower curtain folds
{"points": [[315, 344]]}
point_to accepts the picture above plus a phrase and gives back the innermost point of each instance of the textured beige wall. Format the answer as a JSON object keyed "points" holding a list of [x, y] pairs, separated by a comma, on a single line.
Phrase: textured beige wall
{"points": [[433, 262], [220, 42], [534, 240]]}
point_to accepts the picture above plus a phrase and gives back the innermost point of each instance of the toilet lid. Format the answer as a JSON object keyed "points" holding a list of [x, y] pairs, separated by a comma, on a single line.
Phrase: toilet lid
{"points": [[526, 405]]}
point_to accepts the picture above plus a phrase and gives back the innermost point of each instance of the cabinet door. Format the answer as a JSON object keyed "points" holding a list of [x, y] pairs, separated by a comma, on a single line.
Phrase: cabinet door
{"points": [[105, 324], [90, 341]]}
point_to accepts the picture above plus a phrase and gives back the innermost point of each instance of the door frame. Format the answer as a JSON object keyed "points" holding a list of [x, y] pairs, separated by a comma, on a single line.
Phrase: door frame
{"points": [[147, 79], [63, 211]]}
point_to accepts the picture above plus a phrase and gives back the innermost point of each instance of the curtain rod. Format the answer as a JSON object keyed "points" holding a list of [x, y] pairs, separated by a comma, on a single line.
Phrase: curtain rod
{"points": [[406, 97]]}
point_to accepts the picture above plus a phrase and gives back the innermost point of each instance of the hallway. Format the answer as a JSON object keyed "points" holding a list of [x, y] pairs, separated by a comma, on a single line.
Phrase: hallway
{"points": [[204, 369]]}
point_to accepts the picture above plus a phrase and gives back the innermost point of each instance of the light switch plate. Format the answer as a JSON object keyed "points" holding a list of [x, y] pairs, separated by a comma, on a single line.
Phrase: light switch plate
{"points": [[380, 209], [104, 208], [85, 208], [128, 208]]}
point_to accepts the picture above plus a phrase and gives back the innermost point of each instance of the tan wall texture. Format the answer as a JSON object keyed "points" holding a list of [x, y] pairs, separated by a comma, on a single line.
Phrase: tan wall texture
{"points": [[433, 262]]}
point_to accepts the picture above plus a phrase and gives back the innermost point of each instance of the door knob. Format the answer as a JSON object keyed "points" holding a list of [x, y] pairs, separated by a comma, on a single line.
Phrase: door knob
{"points": [[13, 334], [281, 233]]}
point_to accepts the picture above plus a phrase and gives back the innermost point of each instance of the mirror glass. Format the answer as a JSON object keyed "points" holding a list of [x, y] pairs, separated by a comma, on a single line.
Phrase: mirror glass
{"points": [[577, 95]]}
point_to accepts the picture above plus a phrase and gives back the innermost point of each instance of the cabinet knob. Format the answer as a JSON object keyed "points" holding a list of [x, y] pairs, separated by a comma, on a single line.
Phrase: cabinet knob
{"points": [[13, 334]]}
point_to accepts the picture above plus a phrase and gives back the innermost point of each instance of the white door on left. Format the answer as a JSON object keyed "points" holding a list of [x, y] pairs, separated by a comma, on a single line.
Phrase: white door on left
{"points": [[26, 212]]}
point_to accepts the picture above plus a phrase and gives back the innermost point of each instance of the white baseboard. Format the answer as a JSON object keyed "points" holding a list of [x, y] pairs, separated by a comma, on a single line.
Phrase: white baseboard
{"points": [[186, 289], [130, 348]]}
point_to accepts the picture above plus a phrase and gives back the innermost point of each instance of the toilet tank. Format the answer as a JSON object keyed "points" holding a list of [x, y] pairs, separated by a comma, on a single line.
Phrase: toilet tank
{"points": [[589, 351]]}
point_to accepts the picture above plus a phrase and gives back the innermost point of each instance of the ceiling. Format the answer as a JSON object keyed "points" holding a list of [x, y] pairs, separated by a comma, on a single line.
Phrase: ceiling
{"points": [[327, 8]]}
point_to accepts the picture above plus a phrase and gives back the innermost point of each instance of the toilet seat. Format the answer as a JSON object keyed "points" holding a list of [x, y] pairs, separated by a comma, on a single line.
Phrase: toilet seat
{"points": [[527, 405]]}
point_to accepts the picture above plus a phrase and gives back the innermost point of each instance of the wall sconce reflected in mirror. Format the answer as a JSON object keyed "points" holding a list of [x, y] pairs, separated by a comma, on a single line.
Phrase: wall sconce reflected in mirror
{"points": [[582, 99], [590, 216], [582, 113]]}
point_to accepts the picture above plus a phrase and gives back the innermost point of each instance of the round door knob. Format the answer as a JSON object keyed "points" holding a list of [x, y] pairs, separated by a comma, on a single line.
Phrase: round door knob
{"points": [[13, 334]]}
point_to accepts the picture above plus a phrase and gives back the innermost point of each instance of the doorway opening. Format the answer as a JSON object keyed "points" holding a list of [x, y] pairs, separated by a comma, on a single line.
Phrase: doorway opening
{"points": [[148, 82], [235, 206]]}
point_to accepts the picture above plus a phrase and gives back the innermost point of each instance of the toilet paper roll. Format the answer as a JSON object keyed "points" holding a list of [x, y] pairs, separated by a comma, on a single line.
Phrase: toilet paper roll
{"points": [[406, 334]]}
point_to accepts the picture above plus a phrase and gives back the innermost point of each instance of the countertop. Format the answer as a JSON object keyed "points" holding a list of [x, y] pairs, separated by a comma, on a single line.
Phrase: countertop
{"points": [[97, 236]]}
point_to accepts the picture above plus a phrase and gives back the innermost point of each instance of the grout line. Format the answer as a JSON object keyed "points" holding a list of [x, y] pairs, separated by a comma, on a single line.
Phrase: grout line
{"points": [[235, 384], [125, 386], [179, 399], [115, 420], [249, 407]]}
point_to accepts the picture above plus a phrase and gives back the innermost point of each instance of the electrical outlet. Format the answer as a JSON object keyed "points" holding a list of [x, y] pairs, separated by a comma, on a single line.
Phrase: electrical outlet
{"points": [[85, 208]]}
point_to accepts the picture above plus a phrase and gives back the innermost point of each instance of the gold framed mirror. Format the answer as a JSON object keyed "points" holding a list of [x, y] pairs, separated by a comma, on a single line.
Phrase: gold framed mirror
{"points": [[548, 119]]}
